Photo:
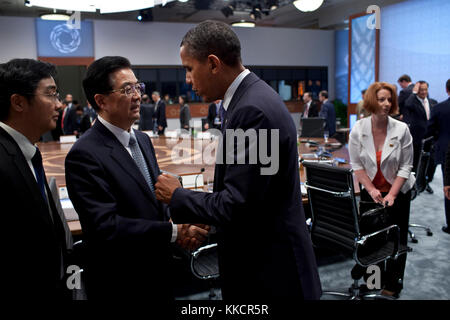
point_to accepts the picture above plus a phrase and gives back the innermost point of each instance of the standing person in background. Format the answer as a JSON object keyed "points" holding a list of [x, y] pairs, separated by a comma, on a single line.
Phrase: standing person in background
{"points": [[439, 127], [381, 154], [147, 111], [213, 120], [407, 86], [185, 114], [159, 115], [447, 181], [33, 242], [327, 111], [360, 111], [310, 109]]}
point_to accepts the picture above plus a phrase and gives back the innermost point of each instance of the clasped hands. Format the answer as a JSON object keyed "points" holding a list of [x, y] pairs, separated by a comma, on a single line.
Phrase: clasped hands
{"points": [[191, 236], [387, 201]]}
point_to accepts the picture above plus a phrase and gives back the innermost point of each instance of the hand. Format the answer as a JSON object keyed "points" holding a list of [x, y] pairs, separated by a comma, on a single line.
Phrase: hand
{"points": [[389, 200], [416, 88], [447, 192], [376, 195], [165, 187], [191, 236], [160, 128]]}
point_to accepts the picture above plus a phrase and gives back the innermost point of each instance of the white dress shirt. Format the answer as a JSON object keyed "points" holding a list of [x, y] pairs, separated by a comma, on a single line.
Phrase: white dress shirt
{"points": [[124, 138], [396, 156], [233, 87]]}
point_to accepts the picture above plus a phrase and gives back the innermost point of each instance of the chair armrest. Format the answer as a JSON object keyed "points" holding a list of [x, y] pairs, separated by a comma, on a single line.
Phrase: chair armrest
{"points": [[204, 264]]}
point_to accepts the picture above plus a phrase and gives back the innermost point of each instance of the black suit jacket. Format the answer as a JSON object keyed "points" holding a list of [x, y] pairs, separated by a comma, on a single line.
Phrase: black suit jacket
{"points": [[146, 115], [185, 116], [313, 110], [33, 239], [327, 111], [403, 95], [415, 116], [212, 113], [126, 229], [447, 167], [264, 246], [160, 113], [439, 127]]}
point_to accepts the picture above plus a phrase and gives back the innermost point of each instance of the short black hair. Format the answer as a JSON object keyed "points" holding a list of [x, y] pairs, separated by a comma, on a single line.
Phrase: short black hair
{"points": [[423, 82], [447, 85], [98, 81], [21, 76], [213, 37], [404, 77], [324, 94], [184, 97]]}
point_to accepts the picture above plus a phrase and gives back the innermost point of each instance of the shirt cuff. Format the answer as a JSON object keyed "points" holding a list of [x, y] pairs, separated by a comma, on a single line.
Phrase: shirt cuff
{"points": [[174, 233]]}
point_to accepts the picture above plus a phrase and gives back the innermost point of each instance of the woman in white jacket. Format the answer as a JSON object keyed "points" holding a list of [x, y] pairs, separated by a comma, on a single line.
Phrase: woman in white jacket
{"points": [[381, 153]]}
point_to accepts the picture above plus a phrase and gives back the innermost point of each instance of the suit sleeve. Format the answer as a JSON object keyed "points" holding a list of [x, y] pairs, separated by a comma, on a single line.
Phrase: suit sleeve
{"points": [[447, 167], [406, 156], [94, 199], [162, 115], [244, 184]]}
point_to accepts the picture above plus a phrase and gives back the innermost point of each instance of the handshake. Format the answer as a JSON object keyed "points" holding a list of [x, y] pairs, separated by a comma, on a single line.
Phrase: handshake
{"points": [[191, 236]]}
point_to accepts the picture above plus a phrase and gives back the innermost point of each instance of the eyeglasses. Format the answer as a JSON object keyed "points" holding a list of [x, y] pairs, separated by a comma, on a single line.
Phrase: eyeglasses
{"points": [[129, 89], [54, 96]]}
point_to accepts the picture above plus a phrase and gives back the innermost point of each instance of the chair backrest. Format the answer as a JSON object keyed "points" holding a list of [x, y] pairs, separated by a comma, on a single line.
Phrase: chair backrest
{"points": [[333, 207], [55, 195], [204, 262], [422, 164], [313, 127]]}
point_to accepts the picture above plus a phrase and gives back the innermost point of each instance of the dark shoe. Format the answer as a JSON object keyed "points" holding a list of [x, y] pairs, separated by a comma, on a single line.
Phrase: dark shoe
{"points": [[428, 189], [446, 229]]}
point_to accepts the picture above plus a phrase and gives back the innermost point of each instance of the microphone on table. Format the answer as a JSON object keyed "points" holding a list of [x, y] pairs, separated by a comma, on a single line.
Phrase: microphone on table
{"points": [[201, 171]]}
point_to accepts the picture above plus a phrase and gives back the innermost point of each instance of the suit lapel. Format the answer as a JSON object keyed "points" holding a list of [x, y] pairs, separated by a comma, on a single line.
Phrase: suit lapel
{"points": [[241, 89], [29, 182], [367, 139], [391, 142], [120, 155], [421, 108]]}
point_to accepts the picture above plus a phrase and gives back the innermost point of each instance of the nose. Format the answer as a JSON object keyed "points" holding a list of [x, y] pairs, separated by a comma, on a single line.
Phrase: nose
{"points": [[58, 104]]}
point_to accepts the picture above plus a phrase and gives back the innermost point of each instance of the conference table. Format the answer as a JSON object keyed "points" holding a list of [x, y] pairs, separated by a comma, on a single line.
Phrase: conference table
{"points": [[186, 156]]}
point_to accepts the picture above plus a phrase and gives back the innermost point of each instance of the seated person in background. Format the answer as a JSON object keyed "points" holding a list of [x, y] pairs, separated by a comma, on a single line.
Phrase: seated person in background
{"points": [[381, 154], [185, 114], [360, 111], [327, 111]]}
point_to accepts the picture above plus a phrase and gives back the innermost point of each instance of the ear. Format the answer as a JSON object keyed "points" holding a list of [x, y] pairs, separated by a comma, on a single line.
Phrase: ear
{"points": [[100, 100], [18, 102], [214, 63]]}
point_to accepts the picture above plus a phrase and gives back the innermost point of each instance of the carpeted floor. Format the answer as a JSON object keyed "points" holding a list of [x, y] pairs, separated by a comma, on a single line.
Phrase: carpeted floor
{"points": [[427, 274]]}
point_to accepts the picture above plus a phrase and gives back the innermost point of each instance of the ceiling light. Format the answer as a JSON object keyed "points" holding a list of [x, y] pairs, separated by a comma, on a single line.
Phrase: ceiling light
{"points": [[183, 0], [105, 6], [243, 24], [55, 16], [308, 5]]}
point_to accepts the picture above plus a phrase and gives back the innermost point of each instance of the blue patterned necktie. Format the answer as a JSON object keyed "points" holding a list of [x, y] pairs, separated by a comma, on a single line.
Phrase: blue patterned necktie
{"points": [[140, 162], [39, 171]]}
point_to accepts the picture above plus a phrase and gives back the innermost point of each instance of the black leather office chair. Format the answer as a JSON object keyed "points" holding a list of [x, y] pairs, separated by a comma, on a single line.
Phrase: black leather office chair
{"points": [[336, 225], [205, 265], [421, 181]]}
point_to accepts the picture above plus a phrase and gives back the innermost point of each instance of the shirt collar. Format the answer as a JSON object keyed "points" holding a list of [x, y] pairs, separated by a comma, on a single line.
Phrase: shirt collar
{"points": [[122, 135], [233, 87], [27, 148]]}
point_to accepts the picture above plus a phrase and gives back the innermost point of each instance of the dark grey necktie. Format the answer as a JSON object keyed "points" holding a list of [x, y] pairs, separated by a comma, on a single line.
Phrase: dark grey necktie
{"points": [[140, 162], [39, 171]]}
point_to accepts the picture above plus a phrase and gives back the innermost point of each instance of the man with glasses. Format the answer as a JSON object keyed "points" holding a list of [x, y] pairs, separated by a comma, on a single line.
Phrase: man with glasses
{"points": [[33, 243], [110, 175]]}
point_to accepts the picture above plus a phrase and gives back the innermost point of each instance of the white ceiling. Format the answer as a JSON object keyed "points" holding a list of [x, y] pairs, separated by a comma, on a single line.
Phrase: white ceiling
{"points": [[331, 15]]}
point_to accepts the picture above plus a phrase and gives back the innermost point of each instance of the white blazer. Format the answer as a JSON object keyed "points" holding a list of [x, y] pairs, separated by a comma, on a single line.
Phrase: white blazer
{"points": [[396, 157]]}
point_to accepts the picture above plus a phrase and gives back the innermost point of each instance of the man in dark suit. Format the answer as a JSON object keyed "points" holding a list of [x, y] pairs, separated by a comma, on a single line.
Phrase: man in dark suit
{"points": [[310, 109], [159, 114], [213, 119], [146, 117], [407, 88], [327, 111], [33, 244], [110, 173], [438, 126], [416, 112], [264, 247]]}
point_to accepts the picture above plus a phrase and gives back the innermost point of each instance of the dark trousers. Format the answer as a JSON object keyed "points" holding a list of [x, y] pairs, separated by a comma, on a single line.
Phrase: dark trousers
{"points": [[394, 270], [446, 201]]}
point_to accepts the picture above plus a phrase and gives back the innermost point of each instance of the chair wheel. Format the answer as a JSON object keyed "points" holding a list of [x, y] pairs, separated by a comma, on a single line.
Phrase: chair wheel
{"points": [[414, 240], [429, 233]]}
